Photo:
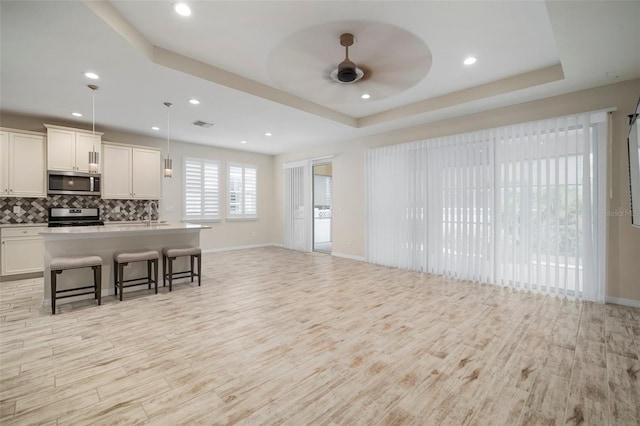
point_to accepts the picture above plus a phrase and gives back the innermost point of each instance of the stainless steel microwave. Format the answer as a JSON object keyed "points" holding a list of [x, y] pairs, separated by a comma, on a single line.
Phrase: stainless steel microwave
{"points": [[72, 183]]}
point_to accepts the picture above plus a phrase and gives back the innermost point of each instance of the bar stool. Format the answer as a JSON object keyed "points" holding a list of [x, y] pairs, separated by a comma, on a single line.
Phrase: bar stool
{"points": [[59, 264], [170, 254], [123, 258]]}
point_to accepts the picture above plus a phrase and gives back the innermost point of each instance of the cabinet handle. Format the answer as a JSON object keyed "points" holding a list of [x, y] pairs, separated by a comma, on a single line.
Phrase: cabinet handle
{"points": [[24, 232]]}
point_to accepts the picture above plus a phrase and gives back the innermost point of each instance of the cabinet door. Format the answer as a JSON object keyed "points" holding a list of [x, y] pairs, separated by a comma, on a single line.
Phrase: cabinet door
{"points": [[4, 163], [27, 165], [61, 146], [146, 174], [86, 143], [116, 172], [22, 255]]}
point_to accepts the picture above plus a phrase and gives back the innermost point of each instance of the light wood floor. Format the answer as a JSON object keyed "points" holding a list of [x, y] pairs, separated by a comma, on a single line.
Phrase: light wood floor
{"points": [[280, 337]]}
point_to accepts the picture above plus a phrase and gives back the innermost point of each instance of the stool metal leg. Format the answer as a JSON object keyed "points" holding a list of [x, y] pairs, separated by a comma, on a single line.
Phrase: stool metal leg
{"points": [[164, 270], [121, 277], [171, 259], [53, 291], [115, 276], [155, 274], [97, 282], [199, 268], [149, 274], [192, 271]]}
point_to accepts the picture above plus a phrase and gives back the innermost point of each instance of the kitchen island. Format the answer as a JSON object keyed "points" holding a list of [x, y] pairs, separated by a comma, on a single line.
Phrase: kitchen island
{"points": [[103, 241]]}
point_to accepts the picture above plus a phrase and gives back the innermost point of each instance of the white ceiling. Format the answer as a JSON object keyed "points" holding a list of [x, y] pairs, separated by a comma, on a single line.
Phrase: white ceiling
{"points": [[262, 66]]}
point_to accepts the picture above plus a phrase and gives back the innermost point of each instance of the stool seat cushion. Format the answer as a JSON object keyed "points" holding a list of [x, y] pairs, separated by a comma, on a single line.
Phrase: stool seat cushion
{"points": [[135, 255], [179, 251], [75, 262]]}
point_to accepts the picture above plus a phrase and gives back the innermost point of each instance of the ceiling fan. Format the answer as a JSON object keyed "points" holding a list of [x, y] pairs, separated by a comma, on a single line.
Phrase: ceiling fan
{"points": [[347, 71], [387, 60]]}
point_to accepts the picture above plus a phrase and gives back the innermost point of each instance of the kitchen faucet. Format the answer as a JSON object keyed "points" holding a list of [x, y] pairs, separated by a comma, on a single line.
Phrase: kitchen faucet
{"points": [[149, 210]]}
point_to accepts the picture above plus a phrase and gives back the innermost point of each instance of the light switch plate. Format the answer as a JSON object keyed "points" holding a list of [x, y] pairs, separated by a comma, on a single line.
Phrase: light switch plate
{"points": [[17, 209]]}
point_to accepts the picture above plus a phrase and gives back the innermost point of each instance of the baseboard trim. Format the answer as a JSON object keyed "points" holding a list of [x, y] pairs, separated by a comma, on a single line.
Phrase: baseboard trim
{"points": [[624, 302], [220, 249], [348, 256], [17, 277]]}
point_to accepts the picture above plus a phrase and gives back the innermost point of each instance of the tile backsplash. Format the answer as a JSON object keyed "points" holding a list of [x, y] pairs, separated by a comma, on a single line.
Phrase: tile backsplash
{"points": [[36, 210]]}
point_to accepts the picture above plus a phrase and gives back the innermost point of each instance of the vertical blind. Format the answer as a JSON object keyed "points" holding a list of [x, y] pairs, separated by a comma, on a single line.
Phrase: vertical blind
{"points": [[520, 206], [201, 189], [243, 191], [297, 206]]}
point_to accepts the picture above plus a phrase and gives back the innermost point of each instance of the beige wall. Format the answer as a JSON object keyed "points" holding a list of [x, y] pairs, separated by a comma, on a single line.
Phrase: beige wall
{"points": [[623, 242], [223, 234]]}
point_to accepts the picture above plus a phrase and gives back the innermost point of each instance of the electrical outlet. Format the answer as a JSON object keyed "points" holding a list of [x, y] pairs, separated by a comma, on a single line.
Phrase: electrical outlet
{"points": [[17, 209]]}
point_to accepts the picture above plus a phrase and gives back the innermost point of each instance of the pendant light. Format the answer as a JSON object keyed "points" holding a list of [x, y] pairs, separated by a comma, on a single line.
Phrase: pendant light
{"points": [[168, 169], [94, 156]]}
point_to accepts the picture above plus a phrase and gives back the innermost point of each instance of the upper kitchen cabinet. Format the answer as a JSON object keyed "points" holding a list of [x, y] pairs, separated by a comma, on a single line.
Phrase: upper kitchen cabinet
{"points": [[22, 164], [130, 172], [68, 149]]}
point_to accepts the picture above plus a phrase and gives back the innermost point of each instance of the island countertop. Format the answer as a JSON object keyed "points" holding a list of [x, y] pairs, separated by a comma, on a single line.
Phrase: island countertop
{"points": [[110, 231]]}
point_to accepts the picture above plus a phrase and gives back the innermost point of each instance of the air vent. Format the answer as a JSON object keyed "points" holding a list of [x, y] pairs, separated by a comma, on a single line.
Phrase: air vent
{"points": [[201, 123]]}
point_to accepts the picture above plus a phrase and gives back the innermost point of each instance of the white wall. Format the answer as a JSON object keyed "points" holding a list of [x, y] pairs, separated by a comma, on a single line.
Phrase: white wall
{"points": [[623, 243], [223, 234]]}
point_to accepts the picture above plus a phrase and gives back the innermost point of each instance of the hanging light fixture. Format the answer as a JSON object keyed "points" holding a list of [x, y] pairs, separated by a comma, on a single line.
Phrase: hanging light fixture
{"points": [[94, 156], [168, 169]]}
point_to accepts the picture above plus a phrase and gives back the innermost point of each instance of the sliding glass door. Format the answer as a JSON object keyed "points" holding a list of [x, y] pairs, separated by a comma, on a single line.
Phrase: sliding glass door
{"points": [[521, 206]]}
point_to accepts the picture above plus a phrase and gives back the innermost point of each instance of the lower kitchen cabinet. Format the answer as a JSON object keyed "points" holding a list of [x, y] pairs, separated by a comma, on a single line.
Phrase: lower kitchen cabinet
{"points": [[22, 250]]}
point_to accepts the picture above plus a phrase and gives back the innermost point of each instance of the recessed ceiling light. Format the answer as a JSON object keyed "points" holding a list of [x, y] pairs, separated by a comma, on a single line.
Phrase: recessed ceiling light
{"points": [[365, 96], [243, 141], [194, 102], [182, 9], [76, 114], [91, 75], [470, 60], [155, 128], [268, 134]]}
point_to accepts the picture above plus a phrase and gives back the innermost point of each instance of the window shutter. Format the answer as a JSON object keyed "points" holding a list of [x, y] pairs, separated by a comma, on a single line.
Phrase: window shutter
{"points": [[243, 191], [201, 189], [250, 191]]}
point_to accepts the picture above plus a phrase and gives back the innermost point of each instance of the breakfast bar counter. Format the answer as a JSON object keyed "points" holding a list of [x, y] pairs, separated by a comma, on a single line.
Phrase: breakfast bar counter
{"points": [[103, 241]]}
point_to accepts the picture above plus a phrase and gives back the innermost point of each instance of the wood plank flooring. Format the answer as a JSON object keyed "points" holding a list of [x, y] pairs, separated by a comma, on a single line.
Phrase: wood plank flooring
{"points": [[281, 337]]}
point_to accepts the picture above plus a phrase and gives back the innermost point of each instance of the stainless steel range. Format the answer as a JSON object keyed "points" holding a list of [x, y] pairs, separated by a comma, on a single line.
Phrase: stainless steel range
{"points": [[74, 217]]}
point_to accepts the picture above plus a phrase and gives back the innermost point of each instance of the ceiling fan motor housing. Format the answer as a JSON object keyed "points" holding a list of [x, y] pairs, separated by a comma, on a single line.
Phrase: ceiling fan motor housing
{"points": [[347, 71]]}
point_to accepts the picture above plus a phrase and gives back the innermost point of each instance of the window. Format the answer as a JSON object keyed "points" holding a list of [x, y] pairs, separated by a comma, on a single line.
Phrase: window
{"points": [[243, 193], [201, 189], [521, 206]]}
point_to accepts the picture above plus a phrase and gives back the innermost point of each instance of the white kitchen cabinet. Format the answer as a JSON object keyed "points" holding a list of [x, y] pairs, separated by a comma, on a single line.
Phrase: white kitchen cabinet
{"points": [[116, 172], [130, 173], [4, 163], [22, 164], [68, 149], [22, 250], [145, 174]]}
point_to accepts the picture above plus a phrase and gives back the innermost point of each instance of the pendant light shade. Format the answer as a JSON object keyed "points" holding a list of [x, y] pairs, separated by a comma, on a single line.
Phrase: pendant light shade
{"points": [[168, 167], [168, 164], [94, 156]]}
